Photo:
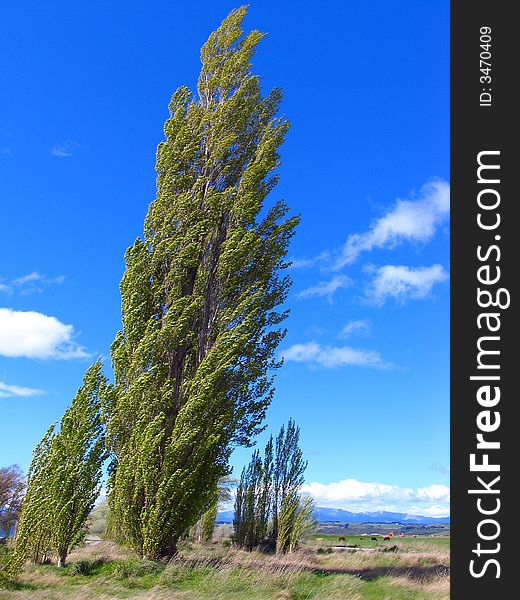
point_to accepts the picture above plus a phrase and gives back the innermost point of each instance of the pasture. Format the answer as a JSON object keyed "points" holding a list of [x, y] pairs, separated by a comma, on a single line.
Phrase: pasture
{"points": [[323, 569]]}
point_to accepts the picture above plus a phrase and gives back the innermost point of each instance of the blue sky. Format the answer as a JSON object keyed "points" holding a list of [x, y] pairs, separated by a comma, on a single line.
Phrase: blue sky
{"points": [[85, 89]]}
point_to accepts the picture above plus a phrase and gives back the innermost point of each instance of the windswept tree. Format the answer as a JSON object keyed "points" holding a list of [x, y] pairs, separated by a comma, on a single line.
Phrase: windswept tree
{"points": [[252, 501], [33, 531], [269, 508], [295, 520], [200, 300], [203, 530], [65, 474], [288, 470], [205, 526]]}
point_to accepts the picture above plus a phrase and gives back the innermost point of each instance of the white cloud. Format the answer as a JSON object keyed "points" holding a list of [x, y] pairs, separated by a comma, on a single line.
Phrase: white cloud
{"points": [[30, 283], [34, 276], [360, 496], [302, 352], [408, 220], [435, 492], [329, 357], [35, 335], [402, 283], [17, 391], [65, 149], [326, 288], [355, 328]]}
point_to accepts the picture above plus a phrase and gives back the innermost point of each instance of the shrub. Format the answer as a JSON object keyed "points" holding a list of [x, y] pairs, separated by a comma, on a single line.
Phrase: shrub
{"points": [[136, 568], [86, 567]]}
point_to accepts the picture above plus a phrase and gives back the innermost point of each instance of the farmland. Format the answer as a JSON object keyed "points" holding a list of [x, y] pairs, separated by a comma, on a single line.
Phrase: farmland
{"points": [[324, 568]]}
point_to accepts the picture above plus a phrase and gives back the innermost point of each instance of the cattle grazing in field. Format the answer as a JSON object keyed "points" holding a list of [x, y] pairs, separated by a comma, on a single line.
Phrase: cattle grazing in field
{"points": [[374, 539], [387, 537], [342, 539]]}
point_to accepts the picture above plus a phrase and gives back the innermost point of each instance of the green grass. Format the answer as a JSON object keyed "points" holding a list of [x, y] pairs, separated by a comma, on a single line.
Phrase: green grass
{"points": [[406, 543], [217, 572]]}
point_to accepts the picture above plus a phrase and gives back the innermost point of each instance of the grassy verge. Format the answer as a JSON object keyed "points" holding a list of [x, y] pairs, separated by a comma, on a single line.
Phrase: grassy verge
{"points": [[217, 572]]}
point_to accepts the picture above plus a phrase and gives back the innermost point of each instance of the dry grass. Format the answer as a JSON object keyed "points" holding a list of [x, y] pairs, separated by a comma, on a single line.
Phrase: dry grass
{"points": [[217, 572], [437, 588]]}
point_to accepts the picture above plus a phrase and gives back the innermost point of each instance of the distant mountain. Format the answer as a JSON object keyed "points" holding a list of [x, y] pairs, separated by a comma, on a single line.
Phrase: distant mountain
{"points": [[338, 515], [344, 516]]}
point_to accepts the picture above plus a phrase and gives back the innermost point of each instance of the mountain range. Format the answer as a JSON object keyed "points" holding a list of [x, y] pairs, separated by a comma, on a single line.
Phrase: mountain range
{"points": [[338, 515]]}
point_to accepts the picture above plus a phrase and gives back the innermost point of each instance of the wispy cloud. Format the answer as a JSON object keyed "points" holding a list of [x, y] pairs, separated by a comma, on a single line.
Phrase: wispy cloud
{"points": [[355, 328], [27, 278], [305, 263], [66, 148], [360, 496], [29, 284], [408, 220], [403, 283], [330, 356], [35, 335], [17, 391], [326, 288]]}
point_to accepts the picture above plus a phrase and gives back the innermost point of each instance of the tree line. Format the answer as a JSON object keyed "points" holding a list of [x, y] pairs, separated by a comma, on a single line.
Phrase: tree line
{"points": [[193, 363], [270, 511]]}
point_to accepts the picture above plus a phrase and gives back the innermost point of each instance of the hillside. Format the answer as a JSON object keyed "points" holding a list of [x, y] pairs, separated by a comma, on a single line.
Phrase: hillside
{"points": [[338, 515]]}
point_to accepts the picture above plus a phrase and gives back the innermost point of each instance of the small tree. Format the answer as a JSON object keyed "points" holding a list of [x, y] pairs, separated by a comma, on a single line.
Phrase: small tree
{"points": [[33, 537], [206, 524], [295, 520], [65, 474], [269, 509], [12, 486], [288, 471], [252, 504]]}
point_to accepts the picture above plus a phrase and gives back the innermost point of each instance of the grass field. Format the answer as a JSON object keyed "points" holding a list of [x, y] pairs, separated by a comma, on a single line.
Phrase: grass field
{"points": [[403, 544], [324, 569]]}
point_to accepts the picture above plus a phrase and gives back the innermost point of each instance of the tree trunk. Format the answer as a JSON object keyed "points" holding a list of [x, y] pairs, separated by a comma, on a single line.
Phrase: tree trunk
{"points": [[164, 555], [61, 559], [172, 550]]}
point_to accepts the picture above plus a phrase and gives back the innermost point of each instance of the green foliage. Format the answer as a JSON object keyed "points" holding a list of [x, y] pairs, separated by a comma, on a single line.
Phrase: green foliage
{"points": [[136, 568], [86, 567], [295, 521], [268, 507], [64, 478], [200, 293], [33, 534], [251, 518], [207, 523], [288, 471], [9, 565]]}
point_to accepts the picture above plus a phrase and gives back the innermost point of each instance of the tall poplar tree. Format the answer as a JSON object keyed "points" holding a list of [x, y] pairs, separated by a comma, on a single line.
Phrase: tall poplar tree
{"points": [[65, 474], [200, 298]]}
